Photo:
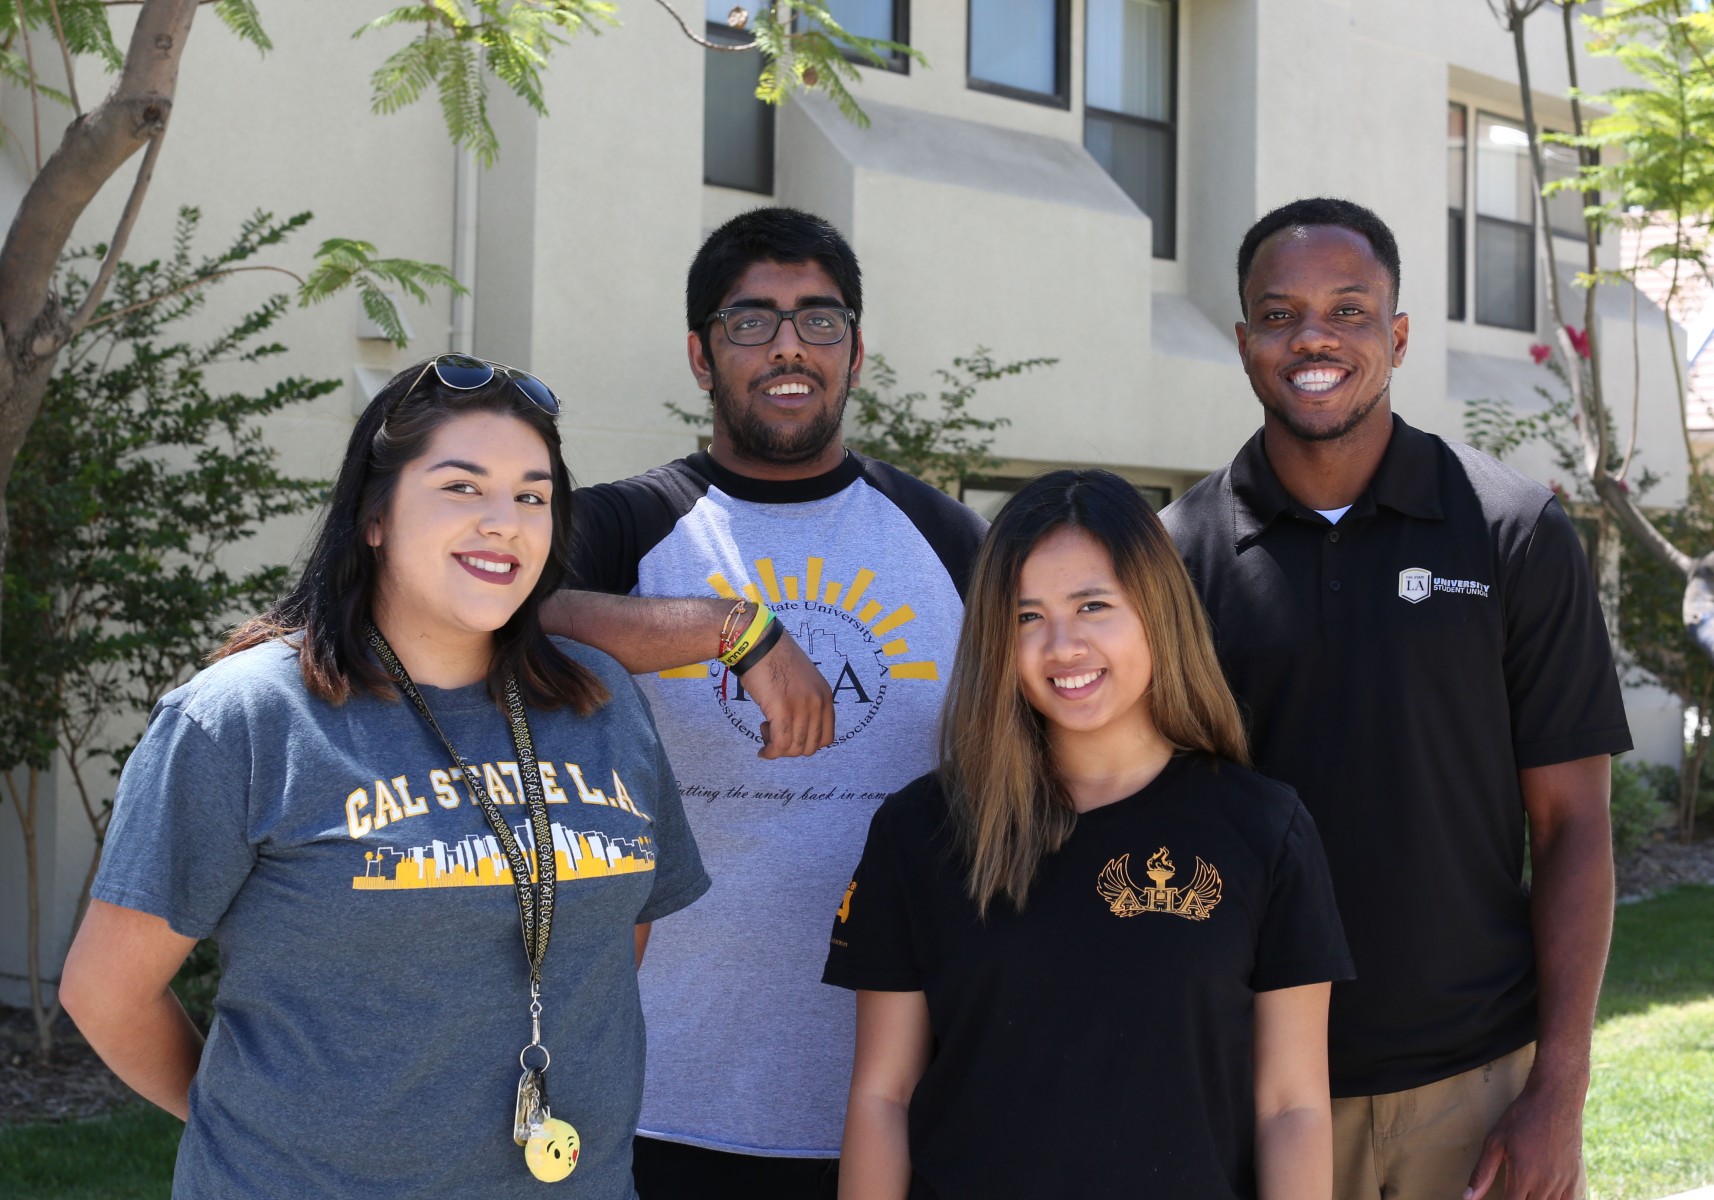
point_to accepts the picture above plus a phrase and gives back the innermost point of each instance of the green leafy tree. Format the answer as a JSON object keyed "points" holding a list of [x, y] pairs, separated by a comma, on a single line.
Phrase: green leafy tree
{"points": [[1648, 594], [457, 48], [940, 446], [1663, 129], [139, 477]]}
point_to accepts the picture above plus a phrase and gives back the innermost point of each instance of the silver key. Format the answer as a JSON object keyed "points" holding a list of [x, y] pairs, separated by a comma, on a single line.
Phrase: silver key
{"points": [[532, 1105]]}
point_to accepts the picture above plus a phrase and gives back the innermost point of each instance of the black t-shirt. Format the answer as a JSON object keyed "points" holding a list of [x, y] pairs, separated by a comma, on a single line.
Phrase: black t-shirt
{"points": [[1398, 669], [1099, 1043]]}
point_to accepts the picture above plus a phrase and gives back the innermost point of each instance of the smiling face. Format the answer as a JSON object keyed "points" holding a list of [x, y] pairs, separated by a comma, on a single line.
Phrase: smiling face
{"points": [[1321, 339], [1083, 656], [777, 407], [463, 541]]}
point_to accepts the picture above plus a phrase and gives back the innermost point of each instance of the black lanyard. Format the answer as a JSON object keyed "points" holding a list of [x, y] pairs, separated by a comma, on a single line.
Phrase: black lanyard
{"points": [[535, 903]]}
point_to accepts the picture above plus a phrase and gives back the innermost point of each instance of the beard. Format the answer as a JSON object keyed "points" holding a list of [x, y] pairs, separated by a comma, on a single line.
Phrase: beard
{"points": [[754, 438], [1329, 433]]}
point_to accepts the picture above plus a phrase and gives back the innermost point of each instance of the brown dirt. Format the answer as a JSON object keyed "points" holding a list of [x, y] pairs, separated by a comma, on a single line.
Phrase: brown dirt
{"points": [[74, 1085], [1663, 863], [71, 1086]]}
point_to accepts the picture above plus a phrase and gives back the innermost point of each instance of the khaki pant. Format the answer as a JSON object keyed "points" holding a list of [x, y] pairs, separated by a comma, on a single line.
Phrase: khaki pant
{"points": [[1422, 1144]]}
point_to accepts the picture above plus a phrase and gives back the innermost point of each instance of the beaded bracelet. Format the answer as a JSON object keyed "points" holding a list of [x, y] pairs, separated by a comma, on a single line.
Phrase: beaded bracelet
{"points": [[760, 647], [730, 627]]}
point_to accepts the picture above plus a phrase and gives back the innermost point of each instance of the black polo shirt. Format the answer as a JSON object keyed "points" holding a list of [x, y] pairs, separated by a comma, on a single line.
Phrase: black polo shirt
{"points": [[1398, 669]]}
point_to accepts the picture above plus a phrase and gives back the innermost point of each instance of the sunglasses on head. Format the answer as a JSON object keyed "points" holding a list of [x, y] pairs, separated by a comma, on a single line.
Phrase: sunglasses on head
{"points": [[465, 373]]}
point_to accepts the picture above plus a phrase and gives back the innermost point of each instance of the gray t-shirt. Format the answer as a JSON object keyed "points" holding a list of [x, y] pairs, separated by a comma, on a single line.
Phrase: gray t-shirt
{"points": [[374, 991], [865, 567]]}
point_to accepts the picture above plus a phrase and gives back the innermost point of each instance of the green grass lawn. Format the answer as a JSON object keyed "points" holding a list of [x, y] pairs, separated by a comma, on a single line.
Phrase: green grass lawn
{"points": [[1649, 1128], [125, 1156]]}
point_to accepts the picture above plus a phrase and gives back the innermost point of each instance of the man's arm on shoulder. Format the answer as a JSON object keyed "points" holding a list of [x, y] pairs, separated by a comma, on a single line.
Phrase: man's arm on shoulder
{"points": [[655, 633], [1540, 1137]]}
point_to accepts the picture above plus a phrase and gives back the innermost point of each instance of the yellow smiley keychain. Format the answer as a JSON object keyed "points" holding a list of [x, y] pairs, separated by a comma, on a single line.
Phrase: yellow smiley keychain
{"points": [[551, 1153]]}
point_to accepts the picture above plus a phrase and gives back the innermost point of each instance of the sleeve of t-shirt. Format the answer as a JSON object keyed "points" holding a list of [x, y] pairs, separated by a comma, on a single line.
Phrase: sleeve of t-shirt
{"points": [[679, 874], [604, 551], [871, 946], [1558, 661], [1301, 939], [178, 845]]}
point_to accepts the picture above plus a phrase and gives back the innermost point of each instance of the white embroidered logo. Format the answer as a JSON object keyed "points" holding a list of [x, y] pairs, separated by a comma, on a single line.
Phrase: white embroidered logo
{"points": [[1415, 584]]}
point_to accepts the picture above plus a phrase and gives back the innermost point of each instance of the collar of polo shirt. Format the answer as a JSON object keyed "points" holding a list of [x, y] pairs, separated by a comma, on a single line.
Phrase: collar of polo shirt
{"points": [[1406, 481]]}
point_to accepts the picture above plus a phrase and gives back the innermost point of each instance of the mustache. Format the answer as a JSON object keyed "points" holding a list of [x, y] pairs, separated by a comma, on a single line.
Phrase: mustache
{"points": [[1317, 360], [779, 372]]}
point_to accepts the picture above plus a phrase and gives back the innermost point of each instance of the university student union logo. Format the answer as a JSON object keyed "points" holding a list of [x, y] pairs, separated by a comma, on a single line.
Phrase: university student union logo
{"points": [[1125, 899], [1416, 584]]}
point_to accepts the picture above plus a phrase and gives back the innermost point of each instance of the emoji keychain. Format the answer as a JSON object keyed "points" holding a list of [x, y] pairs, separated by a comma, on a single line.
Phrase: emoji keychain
{"points": [[551, 1147], [551, 1153]]}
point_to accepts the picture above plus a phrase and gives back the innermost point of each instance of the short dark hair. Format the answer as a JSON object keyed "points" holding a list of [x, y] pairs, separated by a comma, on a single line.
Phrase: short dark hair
{"points": [[1321, 210], [783, 235], [326, 614]]}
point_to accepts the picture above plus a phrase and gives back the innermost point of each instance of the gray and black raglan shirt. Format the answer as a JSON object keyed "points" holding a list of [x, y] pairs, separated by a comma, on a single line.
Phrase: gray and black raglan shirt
{"points": [[866, 567]]}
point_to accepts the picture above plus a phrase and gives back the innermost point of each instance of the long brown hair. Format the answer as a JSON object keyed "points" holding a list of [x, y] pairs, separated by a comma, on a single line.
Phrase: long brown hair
{"points": [[1008, 802], [326, 613]]}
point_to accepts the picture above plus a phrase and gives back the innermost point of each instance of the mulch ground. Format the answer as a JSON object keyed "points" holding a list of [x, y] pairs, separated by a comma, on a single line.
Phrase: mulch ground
{"points": [[72, 1085]]}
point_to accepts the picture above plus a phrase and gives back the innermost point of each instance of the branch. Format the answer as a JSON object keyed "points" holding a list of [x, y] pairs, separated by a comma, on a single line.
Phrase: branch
{"points": [[94, 147], [702, 41], [185, 287], [121, 234], [35, 96], [65, 53]]}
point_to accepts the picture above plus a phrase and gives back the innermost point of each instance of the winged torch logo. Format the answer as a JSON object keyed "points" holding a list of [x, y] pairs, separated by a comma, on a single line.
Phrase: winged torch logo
{"points": [[1125, 899]]}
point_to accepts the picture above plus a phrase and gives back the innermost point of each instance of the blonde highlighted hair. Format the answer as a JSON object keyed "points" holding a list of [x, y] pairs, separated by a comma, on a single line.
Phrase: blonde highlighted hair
{"points": [[1008, 803]]}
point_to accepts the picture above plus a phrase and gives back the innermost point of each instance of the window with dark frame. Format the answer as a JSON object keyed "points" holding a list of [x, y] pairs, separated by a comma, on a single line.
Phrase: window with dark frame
{"points": [[1504, 250], [883, 20], [1021, 49], [1457, 183], [1130, 105], [737, 128]]}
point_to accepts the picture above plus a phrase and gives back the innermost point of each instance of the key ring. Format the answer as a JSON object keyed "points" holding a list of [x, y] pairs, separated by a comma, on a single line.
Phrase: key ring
{"points": [[524, 1053]]}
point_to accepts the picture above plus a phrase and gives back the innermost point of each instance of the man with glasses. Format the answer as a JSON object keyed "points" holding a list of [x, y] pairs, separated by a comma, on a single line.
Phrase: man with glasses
{"points": [[864, 568]]}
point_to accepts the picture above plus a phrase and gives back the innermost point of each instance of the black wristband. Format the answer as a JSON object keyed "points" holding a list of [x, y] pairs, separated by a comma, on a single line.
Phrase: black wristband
{"points": [[765, 643]]}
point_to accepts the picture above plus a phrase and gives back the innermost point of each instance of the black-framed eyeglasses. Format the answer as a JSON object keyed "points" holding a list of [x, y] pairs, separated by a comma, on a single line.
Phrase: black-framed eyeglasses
{"points": [[466, 373], [817, 325]]}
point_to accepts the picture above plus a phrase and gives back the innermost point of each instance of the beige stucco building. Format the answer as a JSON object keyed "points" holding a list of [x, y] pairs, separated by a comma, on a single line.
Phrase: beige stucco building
{"points": [[1066, 178]]}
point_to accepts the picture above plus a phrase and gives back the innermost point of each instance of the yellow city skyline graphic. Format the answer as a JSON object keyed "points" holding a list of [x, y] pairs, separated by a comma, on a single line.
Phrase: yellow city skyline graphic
{"points": [[809, 586], [476, 860]]}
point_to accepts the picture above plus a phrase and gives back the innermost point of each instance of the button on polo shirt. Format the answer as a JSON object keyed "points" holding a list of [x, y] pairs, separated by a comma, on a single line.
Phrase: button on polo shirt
{"points": [[1399, 671]]}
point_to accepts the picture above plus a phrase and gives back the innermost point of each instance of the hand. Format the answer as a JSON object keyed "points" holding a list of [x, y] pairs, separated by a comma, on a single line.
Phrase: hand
{"points": [[795, 701], [1540, 1140]]}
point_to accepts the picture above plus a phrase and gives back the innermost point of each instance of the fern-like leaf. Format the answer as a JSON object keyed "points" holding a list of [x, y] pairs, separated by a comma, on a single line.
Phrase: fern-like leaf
{"points": [[241, 17]]}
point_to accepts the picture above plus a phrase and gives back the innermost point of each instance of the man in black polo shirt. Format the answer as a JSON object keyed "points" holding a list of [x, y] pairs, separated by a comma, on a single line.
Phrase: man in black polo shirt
{"points": [[1413, 633]]}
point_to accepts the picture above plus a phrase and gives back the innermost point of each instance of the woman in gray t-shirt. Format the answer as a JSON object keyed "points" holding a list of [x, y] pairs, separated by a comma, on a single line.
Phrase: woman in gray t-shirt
{"points": [[427, 837]]}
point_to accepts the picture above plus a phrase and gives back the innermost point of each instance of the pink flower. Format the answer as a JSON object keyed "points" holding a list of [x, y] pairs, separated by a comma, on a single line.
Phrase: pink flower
{"points": [[1579, 340], [1541, 353]]}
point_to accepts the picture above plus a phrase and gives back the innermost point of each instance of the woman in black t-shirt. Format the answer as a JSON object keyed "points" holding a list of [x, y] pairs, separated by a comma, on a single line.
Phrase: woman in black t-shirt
{"points": [[1092, 953]]}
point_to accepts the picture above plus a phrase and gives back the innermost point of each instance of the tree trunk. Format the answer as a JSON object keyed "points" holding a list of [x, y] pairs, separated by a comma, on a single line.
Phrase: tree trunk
{"points": [[27, 804], [1690, 778], [33, 326]]}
